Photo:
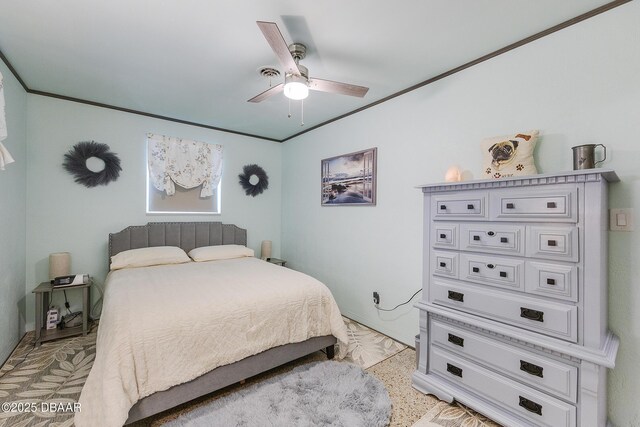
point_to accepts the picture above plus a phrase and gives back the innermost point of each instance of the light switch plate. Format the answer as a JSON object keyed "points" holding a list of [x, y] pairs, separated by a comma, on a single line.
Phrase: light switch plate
{"points": [[618, 218]]}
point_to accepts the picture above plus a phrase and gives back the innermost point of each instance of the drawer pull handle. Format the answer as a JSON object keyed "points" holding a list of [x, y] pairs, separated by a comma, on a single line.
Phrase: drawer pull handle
{"points": [[551, 205], [443, 264], [503, 274], [531, 314], [531, 369], [552, 243], [454, 370], [469, 207], [475, 270], [504, 240], [530, 406], [551, 281], [491, 233], [456, 340], [476, 238], [443, 236], [510, 206], [456, 296], [490, 266], [443, 207]]}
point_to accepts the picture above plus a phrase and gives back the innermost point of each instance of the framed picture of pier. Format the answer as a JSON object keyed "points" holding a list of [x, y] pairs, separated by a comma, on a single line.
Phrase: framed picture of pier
{"points": [[349, 179]]}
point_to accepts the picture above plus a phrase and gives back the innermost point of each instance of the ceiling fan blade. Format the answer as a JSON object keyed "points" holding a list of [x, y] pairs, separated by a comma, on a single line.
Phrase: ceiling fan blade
{"points": [[279, 46], [337, 87], [267, 93]]}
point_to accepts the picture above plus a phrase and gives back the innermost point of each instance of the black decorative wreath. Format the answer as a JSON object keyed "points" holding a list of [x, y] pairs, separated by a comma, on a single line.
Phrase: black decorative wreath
{"points": [[253, 189], [75, 162]]}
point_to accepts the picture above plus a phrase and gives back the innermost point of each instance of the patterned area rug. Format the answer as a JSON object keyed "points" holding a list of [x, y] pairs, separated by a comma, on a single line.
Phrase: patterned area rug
{"points": [[368, 347], [453, 415], [45, 380]]}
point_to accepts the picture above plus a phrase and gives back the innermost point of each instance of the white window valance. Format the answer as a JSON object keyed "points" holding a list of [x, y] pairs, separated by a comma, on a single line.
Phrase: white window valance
{"points": [[184, 162]]}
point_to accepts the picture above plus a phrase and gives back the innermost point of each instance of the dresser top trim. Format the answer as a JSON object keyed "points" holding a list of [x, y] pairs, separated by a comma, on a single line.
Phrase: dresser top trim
{"points": [[589, 175]]}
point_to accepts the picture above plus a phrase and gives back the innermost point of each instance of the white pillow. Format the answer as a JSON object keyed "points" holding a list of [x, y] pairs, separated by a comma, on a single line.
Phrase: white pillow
{"points": [[509, 155], [212, 253], [144, 257]]}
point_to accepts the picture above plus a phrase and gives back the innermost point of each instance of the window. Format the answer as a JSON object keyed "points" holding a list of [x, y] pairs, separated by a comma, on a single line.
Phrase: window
{"points": [[183, 176]]}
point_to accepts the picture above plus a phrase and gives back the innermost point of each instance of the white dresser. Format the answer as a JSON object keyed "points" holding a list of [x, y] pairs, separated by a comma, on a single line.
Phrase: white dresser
{"points": [[513, 318]]}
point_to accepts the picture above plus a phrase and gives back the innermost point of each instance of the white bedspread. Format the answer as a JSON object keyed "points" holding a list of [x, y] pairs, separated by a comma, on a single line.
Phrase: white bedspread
{"points": [[166, 325]]}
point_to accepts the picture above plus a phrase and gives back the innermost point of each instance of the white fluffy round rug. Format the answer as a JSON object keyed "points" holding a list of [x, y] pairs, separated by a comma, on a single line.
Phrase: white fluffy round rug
{"points": [[318, 394]]}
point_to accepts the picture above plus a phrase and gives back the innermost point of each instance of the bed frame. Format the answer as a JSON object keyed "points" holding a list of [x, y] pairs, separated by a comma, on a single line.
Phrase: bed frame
{"points": [[190, 235]]}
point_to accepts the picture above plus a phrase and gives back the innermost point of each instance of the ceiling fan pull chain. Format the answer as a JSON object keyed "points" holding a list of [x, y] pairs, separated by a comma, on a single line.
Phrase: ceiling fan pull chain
{"points": [[302, 112], [289, 99]]}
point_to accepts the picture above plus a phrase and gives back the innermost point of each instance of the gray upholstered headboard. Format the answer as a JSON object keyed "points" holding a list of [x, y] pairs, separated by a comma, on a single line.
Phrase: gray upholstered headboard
{"points": [[186, 235]]}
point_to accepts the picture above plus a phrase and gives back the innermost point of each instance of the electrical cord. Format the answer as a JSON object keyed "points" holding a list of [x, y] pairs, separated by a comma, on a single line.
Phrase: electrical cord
{"points": [[399, 305], [92, 312], [17, 364], [66, 301]]}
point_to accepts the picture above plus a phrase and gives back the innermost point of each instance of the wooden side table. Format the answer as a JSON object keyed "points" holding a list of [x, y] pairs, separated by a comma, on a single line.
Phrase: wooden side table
{"points": [[277, 261], [43, 298]]}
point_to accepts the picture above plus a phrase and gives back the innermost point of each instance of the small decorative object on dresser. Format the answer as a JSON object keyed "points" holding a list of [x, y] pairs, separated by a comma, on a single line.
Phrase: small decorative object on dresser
{"points": [[453, 174], [513, 321], [584, 156], [509, 155]]}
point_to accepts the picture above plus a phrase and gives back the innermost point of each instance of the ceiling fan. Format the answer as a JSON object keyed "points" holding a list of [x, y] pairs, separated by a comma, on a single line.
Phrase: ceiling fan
{"points": [[296, 80]]}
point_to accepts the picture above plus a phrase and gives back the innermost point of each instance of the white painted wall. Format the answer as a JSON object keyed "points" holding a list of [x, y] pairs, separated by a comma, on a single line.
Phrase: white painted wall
{"points": [[12, 217], [65, 216], [578, 86]]}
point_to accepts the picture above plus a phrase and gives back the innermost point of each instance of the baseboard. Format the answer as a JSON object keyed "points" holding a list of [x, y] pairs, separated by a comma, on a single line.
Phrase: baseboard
{"points": [[363, 323], [14, 349]]}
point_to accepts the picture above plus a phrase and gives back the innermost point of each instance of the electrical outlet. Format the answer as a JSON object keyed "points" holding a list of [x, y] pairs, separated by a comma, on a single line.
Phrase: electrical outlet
{"points": [[376, 298]]}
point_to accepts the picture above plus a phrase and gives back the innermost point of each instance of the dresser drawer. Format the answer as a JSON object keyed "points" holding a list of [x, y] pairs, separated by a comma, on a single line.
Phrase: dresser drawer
{"points": [[557, 204], [556, 243], [538, 408], [444, 236], [493, 238], [493, 271], [533, 370], [553, 280], [444, 264], [469, 205], [545, 317]]}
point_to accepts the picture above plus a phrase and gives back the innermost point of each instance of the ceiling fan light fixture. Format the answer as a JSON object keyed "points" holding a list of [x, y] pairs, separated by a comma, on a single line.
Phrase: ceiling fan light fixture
{"points": [[296, 87]]}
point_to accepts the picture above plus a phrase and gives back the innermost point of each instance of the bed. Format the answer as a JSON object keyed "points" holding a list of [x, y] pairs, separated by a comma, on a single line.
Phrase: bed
{"points": [[171, 333]]}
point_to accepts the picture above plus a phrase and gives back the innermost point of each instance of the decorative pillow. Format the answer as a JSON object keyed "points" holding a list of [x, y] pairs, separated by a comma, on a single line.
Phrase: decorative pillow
{"points": [[144, 257], [509, 155], [212, 253]]}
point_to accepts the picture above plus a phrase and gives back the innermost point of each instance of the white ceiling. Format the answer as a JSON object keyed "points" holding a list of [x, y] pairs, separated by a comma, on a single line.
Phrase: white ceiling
{"points": [[197, 60]]}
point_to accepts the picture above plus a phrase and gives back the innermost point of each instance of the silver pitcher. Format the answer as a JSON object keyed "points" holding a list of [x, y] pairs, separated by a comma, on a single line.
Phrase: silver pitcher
{"points": [[584, 156]]}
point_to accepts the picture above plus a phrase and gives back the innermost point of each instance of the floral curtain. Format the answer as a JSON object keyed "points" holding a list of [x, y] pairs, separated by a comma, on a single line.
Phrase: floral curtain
{"points": [[183, 162]]}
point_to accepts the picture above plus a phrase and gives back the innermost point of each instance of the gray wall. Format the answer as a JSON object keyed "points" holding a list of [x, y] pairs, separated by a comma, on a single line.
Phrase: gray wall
{"points": [[577, 86], [65, 216], [12, 218]]}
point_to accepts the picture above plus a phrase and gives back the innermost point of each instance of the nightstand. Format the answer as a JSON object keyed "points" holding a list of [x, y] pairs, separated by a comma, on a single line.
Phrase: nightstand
{"points": [[277, 261], [43, 298]]}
